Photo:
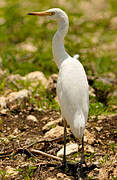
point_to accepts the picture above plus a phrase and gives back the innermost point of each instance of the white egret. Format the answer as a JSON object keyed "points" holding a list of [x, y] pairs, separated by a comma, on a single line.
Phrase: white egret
{"points": [[72, 85]]}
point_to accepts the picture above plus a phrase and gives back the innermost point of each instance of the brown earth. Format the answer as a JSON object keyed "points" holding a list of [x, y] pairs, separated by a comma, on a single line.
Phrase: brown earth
{"points": [[19, 135]]}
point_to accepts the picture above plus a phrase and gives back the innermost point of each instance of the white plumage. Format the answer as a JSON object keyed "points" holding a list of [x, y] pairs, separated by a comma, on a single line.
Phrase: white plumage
{"points": [[72, 91], [72, 85]]}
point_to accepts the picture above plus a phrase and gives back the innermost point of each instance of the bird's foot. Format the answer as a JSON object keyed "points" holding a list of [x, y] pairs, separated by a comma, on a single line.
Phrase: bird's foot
{"points": [[65, 164], [82, 162]]}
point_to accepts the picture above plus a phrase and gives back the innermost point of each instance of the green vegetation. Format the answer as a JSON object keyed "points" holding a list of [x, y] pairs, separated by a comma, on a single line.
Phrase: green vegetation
{"points": [[25, 46]]}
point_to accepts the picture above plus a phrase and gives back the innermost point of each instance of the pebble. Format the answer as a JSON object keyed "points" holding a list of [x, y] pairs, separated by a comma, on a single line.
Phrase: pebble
{"points": [[37, 76], [88, 137], [32, 118], [54, 132], [50, 124], [10, 172], [70, 148]]}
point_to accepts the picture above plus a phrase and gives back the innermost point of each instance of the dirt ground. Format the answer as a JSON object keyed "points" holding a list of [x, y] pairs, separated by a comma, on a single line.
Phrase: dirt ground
{"points": [[19, 135]]}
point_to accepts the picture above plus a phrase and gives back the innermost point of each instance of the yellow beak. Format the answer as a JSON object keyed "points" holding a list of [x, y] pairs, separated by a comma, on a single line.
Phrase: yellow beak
{"points": [[45, 13]]}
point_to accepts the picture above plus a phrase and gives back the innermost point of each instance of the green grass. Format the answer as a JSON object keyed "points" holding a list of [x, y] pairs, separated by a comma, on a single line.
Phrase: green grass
{"points": [[94, 39]]}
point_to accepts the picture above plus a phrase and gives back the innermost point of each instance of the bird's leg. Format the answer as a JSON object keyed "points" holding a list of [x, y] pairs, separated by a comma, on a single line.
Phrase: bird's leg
{"points": [[65, 133], [83, 156]]}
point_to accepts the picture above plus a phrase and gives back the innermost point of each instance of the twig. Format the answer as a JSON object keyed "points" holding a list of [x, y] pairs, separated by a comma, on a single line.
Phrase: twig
{"points": [[99, 154], [5, 154], [46, 140], [45, 154]]}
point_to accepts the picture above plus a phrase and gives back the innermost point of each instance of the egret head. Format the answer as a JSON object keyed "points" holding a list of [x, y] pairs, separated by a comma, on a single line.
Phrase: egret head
{"points": [[54, 13]]}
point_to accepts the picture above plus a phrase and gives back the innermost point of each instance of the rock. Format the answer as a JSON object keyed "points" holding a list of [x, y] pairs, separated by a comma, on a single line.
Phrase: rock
{"points": [[11, 172], [91, 91], [51, 85], [45, 118], [62, 176], [37, 76], [3, 111], [105, 80], [113, 22], [4, 139], [98, 128], [16, 131], [115, 172], [89, 148], [17, 98], [70, 148], [112, 116], [101, 118], [15, 77], [11, 136], [88, 137], [55, 132], [51, 178], [103, 174], [2, 102], [28, 47], [32, 118], [51, 124]]}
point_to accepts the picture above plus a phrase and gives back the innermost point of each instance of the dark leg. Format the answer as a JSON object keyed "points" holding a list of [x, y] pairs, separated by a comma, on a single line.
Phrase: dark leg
{"points": [[65, 133], [83, 156]]}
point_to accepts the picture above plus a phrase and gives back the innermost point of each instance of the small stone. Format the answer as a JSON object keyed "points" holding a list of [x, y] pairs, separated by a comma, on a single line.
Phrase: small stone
{"points": [[101, 118], [112, 116], [37, 76], [51, 85], [15, 77], [2, 102], [105, 80], [32, 118], [89, 148], [51, 178], [3, 111], [4, 139], [62, 176], [88, 137], [16, 131], [103, 174], [70, 148], [115, 172], [98, 128], [45, 118], [17, 98], [54, 132], [51, 124], [11, 172], [11, 136], [51, 168], [91, 91], [28, 47]]}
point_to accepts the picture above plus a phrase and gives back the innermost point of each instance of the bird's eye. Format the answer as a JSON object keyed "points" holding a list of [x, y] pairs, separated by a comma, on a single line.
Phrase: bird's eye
{"points": [[52, 13]]}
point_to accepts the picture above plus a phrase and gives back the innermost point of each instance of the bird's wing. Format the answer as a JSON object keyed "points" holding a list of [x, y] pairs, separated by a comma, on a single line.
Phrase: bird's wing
{"points": [[72, 88]]}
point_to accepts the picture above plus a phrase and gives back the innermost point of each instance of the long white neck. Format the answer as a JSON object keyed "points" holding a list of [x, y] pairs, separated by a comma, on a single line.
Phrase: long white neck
{"points": [[58, 49]]}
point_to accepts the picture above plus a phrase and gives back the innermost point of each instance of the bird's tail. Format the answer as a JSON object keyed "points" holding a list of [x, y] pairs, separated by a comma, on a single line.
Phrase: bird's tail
{"points": [[76, 56], [78, 125]]}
